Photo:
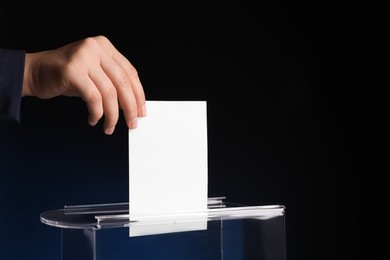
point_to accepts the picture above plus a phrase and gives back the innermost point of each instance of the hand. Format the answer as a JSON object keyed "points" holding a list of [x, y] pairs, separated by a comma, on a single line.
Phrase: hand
{"points": [[94, 70]]}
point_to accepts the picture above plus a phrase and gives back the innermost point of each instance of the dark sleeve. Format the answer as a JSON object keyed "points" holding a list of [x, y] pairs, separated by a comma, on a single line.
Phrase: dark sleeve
{"points": [[11, 83]]}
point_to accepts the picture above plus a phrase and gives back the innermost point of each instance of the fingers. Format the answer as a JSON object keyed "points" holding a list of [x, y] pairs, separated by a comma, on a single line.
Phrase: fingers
{"points": [[124, 88], [129, 90], [132, 74], [92, 97], [109, 96], [112, 83]]}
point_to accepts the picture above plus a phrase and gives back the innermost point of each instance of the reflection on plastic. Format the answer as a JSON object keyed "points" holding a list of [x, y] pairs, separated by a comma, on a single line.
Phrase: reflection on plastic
{"points": [[163, 225]]}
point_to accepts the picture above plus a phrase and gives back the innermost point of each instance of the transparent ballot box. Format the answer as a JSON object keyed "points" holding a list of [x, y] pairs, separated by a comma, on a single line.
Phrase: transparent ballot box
{"points": [[225, 231]]}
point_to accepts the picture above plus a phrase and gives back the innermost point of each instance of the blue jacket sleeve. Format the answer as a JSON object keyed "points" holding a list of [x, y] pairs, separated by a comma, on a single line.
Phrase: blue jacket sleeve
{"points": [[11, 83]]}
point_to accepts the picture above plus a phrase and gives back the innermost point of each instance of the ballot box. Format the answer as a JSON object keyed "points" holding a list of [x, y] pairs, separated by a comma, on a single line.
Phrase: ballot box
{"points": [[231, 231]]}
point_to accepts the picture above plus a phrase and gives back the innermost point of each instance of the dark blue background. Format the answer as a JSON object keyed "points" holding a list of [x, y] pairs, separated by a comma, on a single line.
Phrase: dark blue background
{"points": [[286, 124]]}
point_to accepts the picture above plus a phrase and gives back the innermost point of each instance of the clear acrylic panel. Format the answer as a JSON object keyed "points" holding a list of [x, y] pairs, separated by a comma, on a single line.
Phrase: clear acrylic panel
{"points": [[101, 231]]}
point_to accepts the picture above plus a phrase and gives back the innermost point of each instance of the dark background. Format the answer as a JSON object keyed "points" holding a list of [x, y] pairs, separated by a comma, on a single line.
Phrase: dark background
{"points": [[286, 122]]}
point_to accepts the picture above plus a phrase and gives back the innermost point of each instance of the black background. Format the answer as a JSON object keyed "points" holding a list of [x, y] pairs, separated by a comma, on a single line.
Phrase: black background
{"points": [[286, 122]]}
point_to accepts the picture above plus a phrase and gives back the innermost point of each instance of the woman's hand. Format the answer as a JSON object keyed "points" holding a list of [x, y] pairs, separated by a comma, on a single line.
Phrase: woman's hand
{"points": [[94, 70]]}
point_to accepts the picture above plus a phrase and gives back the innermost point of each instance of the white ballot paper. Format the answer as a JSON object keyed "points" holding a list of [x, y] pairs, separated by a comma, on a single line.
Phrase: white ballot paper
{"points": [[168, 169]]}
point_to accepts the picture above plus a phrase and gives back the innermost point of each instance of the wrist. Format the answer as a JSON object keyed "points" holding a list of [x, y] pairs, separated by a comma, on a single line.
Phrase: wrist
{"points": [[27, 75]]}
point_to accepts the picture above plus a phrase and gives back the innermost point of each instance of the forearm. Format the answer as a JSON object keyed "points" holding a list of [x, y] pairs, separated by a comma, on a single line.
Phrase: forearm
{"points": [[11, 84]]}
